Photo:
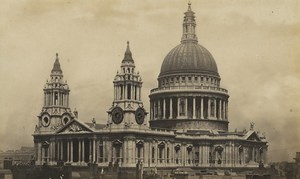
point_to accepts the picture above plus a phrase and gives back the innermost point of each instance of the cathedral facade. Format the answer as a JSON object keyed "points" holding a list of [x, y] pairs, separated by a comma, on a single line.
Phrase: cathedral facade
{"points": [[188, 114]]}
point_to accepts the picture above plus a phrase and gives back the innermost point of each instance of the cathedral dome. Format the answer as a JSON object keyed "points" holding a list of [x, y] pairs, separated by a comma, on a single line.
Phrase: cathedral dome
{"points": [[189, 57]]}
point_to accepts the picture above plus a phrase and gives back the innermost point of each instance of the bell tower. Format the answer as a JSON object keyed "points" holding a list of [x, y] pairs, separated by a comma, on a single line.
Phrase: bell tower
{"points": [[55, 112], [127, 109]]}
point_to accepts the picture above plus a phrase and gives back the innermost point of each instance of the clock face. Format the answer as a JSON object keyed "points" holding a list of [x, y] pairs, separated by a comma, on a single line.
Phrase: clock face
{"points": [[117, 115], [140, 116], [45, 121]]}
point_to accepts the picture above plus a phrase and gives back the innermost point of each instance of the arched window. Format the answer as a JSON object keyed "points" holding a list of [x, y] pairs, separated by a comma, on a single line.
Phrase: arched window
{"points": [[161, 148], [177, 153], [219, 151]]}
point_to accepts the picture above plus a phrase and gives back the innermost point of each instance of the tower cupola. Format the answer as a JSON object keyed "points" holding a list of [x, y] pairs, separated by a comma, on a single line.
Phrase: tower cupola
{"points": [[56, 111], [127, 103]]}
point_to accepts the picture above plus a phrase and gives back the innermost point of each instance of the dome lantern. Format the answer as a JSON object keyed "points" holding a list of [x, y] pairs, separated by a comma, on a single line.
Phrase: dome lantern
{"points": [[189, 26]]}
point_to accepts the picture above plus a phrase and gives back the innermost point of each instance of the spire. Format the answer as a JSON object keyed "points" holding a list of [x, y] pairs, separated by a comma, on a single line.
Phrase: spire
{"points": [[189, 26], [56, 66], [128, 55]]}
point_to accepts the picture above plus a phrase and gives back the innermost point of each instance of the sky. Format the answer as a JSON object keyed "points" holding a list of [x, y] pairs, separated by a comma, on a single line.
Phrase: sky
{"points": [[255, 45]]}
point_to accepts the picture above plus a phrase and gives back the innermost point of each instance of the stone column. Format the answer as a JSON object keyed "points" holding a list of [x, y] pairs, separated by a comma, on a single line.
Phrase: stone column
{"points": [[151, 110], [178, 108], [220, 109], [71, 152], [186, 107], [53, 151], [59, 98], [98, 151], [50, 152], [202, 107], [83, 155], [215, 108], [79, 151], [133, 92], [184, 155], [61, 150], [139, 89], [39, 153], [200, 155], [205, 155], [142, 153], [154, 109], [68, 151], [208, 108], [62, 98], [164, 108], [46, 99], [125, 92], [129, 151], [155, 152], [133, 151], [115, 91], [145, 153], [94, 150], [104, 150], [90, 150], [123, 153], [171, 108], [159, 116], [194, 107], [225, 155], [42, 155], [223, 110], [226, 111], [231, 154]]}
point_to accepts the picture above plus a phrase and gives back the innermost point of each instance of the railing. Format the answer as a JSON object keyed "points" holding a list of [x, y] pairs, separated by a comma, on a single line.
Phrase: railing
{"points": [[213, 88]]}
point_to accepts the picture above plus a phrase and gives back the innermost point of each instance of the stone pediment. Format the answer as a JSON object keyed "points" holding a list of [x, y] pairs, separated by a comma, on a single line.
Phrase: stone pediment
{"points": [[252, 136], [75, 126]]}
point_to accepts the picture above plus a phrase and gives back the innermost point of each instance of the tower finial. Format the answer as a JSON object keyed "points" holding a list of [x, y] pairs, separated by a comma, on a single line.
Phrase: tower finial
{"points": [[128, 55], [189, 8], [56, 66]]}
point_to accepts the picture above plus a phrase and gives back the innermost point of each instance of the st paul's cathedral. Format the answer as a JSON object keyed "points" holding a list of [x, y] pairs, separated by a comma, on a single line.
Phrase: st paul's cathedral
{"points": [[187, 126]]}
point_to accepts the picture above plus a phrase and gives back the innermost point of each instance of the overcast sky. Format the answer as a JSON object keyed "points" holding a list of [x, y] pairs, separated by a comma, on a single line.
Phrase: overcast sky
{"points": [[255, 44]]}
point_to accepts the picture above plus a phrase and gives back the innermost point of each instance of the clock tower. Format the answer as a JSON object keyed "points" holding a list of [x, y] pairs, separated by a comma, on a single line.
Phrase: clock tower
{"points": [[56, 111], [127, 109]]}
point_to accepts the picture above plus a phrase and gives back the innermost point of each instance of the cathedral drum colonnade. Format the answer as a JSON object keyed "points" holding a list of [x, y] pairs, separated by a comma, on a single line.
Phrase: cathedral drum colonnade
{"points": [[188, 118]]}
